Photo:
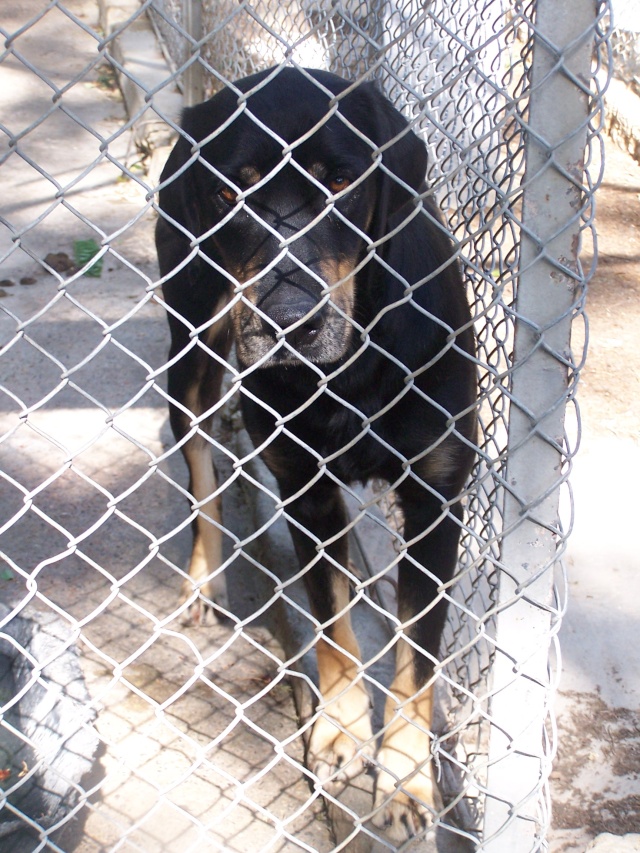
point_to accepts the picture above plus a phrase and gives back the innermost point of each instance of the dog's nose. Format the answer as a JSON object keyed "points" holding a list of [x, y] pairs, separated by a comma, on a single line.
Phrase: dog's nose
{"points": [[304, 334]]}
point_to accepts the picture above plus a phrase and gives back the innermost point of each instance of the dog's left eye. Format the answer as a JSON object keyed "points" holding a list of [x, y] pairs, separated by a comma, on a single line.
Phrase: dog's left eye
{"points": [[228, 195], [338, 183]]}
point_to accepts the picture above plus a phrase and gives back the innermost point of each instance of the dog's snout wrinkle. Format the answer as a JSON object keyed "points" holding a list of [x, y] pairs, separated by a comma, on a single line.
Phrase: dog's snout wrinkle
{"points": [[284, 214]]}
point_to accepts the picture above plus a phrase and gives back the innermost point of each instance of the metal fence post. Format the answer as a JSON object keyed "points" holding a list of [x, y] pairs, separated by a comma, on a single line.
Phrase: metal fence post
{"points": [[193, 76], [549, 287]]}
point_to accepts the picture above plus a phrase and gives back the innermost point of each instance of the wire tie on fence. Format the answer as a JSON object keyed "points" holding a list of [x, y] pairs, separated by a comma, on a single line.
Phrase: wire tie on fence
{"points": [[437, 763]]}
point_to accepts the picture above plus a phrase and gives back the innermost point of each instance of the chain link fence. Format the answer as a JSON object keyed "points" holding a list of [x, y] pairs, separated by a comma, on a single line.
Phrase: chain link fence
{"points": [[623, 94], [625, 44], [122, 727]]}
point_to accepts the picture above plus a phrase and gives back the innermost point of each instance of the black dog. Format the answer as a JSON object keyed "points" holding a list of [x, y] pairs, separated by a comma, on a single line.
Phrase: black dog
{"points": [[295, 221]]}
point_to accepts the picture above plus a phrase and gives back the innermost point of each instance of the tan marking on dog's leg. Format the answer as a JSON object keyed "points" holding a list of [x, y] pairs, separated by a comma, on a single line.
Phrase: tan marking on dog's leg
{"points": [[342, 737], [439, 464], [405, 787], [206, 555]]}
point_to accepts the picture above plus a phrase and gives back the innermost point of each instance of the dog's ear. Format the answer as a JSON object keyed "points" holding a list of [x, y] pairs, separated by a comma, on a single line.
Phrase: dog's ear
{"points": [[178, 197], [405, 158], [185, 181]]}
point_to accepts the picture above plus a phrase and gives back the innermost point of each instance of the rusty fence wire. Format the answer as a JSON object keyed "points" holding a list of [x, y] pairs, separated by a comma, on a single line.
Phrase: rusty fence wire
{"points": [[123, 728]]}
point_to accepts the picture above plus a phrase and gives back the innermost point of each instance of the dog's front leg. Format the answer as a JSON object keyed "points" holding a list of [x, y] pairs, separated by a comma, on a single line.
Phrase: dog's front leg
{"points": [[405, 789], [194, 389], [341, 739], [204, 579]]}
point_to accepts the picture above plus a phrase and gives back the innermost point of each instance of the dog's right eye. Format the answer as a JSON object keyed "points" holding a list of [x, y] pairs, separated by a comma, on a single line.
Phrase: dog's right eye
{"points": [[338, 183], [228, 195]]}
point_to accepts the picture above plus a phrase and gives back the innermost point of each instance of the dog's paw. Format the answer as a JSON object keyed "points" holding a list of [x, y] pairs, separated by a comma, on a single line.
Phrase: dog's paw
{"points": [[196, 603], [334, 756], [341, 743], [404, 799]]}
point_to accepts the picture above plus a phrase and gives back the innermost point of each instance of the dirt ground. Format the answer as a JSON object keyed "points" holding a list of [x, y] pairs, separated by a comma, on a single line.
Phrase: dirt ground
{"points": [[609, 393]]}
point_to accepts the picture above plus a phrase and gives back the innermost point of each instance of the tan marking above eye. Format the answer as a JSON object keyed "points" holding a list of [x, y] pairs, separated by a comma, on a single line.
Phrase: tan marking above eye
{"points": [[317, 171], [334, 181], [249, 175]]}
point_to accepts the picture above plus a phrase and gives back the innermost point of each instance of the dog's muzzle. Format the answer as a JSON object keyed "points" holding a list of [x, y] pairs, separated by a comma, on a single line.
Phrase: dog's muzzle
{"points": [[300, 320], [289, 324]]}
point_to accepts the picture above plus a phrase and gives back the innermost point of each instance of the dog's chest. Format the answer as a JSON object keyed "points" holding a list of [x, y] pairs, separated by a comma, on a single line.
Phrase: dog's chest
{"points": [[357, 429], [352, 439]]}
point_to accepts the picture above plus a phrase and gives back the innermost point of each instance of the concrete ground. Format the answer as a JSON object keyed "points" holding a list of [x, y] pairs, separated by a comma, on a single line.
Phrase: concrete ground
{"points": [[166, 694], [596, 781]]}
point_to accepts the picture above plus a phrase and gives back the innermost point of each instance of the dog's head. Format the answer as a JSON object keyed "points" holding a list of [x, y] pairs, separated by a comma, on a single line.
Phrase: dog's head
{"points": [[285, 180]]}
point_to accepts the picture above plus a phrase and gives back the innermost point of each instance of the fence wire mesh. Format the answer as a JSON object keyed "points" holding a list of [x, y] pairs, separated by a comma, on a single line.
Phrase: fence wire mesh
{"points": [[124, 728], [625, 44]]}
